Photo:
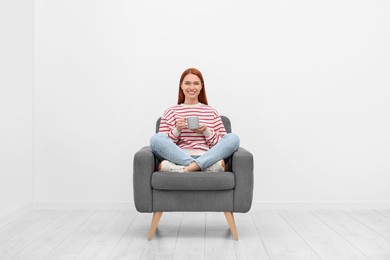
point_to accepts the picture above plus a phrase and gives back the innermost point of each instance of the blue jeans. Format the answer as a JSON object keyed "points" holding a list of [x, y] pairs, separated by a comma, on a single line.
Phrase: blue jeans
{"points": [[165, 149]]}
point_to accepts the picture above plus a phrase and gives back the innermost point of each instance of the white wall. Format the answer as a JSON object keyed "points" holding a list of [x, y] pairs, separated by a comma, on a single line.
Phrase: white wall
{"points": [[16, 105], [305, 84]]}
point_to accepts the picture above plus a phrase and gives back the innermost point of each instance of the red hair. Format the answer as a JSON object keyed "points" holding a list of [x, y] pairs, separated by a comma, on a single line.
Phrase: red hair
{"points": [[202, 95]]}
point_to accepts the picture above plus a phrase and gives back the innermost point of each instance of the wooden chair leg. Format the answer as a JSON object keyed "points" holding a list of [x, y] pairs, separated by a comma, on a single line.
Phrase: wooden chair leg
{"points": [[232, 224], [156, 218]]}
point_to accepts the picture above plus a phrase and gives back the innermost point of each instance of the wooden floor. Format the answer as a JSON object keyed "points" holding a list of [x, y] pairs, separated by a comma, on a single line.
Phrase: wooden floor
{"points": [[263, 234]]}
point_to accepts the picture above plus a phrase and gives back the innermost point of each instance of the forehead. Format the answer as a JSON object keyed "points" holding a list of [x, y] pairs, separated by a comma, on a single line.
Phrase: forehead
{"points": [[191, 77]]}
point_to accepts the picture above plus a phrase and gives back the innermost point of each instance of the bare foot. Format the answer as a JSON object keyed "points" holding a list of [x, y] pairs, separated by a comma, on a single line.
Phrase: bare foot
{"points": [[193, 167], [223, 165], [160, 166]]}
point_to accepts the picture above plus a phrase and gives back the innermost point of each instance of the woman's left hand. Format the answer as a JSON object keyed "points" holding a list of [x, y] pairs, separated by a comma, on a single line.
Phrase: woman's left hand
{"points": [[201, 129]]}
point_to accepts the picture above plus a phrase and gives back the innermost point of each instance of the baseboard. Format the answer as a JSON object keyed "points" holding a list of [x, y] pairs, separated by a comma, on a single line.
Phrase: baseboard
{"points": [[15, 214], [84, 205], [257, 205]]}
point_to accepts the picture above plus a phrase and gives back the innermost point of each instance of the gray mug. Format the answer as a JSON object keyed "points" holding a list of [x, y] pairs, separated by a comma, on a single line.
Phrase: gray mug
{"points": [[193, 122]]}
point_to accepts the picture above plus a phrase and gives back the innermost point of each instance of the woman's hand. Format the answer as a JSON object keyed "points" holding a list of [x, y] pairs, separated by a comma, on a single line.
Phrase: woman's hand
{"points": [[180, 124], [201, 129]]}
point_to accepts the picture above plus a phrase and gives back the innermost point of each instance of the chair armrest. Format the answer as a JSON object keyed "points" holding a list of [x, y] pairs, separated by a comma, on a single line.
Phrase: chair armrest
{"points": [[242, 167], [143, 168]]}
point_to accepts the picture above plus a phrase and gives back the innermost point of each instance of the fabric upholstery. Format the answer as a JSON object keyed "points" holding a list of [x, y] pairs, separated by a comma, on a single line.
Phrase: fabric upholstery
{"points": [[193, 200], [242, 166], [143, 168], [193, 181]]}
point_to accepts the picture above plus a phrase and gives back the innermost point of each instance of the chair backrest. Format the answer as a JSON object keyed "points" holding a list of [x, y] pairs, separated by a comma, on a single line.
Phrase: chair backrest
{"points": [[225, 121]]}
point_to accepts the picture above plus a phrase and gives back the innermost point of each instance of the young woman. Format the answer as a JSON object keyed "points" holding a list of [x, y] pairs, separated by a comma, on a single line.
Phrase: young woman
{"points": [[183, 150]]}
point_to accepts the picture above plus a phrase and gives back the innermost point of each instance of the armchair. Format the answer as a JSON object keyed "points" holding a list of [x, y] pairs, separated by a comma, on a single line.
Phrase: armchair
{"points": [[228, 192]]}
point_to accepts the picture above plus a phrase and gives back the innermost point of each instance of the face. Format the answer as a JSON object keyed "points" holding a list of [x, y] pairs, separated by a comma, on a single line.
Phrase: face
{"points": [[191, 87]]}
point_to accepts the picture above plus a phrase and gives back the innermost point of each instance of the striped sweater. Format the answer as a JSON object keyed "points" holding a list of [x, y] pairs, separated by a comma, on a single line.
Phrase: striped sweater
{"points": [[187, 139]]}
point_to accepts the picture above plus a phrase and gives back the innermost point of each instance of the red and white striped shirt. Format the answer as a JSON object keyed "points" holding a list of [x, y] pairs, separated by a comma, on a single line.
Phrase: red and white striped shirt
{"points": [[187, 139]]}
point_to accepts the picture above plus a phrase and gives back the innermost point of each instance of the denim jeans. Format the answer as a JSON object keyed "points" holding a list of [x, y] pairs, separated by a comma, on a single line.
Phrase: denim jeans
{"points": [[165, 149]]}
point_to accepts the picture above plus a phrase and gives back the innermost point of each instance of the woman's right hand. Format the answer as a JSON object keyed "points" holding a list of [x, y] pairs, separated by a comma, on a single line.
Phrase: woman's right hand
{"points": [[180, 124]]}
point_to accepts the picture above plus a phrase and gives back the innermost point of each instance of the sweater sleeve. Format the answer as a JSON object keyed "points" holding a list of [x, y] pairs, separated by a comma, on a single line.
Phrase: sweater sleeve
{"points": [[217, 132], [168, 125]]}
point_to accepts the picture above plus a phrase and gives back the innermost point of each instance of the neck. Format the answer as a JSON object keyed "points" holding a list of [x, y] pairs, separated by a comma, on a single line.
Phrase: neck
{"points": [[191, 101]]}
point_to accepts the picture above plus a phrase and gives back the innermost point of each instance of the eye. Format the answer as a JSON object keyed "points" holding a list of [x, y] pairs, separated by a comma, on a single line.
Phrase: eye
{"points": [[196, 83]]}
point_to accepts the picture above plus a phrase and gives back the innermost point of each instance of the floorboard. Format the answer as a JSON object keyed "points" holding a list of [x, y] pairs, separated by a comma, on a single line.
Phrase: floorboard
{"points": [[367, 241], [163, 244], [77, 240], [263, 234], [327, 243], [249, 244], [374, 220], [134, 240], [190, 244], [55, 235], [280, 239], [30, 233], [219, 241], [103, 243]]}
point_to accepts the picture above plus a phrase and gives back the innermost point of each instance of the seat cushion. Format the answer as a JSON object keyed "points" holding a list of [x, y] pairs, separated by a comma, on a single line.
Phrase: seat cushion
{"points": [[193, 181]]}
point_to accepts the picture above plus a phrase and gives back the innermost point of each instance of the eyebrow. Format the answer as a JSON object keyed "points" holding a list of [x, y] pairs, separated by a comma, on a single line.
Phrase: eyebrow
{"points": [[197, 81]]}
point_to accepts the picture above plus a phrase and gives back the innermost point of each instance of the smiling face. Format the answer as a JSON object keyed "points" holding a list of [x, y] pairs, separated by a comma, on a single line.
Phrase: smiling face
{"points": [[191, 87]]}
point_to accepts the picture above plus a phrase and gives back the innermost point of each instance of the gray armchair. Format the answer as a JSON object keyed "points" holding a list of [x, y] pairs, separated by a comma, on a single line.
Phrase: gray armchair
{"points": [[228, 192]]}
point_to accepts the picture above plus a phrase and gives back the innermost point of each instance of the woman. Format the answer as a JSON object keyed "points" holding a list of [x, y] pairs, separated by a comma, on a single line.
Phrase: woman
{"points": [[183, 150]]}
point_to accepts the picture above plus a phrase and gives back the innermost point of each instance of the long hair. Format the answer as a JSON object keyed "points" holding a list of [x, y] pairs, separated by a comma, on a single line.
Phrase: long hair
{"points": [[202, 95]]}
